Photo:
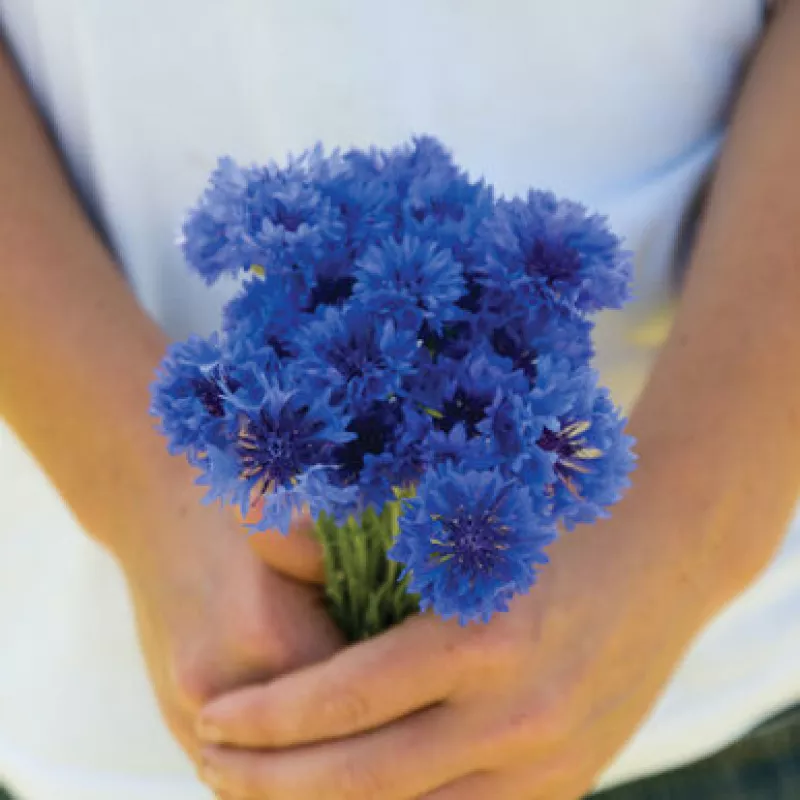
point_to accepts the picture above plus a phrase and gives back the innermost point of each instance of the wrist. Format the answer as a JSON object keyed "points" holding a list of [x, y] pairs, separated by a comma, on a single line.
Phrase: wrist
{"points": [[699, 494], [661, 567]]}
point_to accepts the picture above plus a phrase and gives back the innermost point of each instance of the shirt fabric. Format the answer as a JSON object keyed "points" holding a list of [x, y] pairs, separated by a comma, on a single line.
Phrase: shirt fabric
{"points": [[619, 104]]}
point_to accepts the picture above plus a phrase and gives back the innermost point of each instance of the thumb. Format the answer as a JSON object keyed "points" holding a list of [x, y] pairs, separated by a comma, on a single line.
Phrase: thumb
{"points": [[297, 554]]}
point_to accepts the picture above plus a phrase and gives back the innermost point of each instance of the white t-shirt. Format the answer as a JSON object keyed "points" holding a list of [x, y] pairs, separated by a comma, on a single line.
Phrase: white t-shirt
{"points": [[620, 104]]}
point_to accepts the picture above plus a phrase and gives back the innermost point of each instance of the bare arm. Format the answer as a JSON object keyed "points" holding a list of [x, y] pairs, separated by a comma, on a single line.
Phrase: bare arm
{"points": [[76, 352], [76, 358], [719, 421]]}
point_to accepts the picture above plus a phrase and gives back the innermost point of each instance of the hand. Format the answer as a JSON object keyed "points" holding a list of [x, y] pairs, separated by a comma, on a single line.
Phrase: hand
{"points": [[211, 615], [531, 706]]}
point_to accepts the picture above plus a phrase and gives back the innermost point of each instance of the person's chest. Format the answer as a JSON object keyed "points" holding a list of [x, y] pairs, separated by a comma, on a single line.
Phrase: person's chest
{"points": [[580, 94]]}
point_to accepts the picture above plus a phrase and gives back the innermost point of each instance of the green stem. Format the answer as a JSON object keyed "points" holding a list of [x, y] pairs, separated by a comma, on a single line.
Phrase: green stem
{"points": [[363, 592]]}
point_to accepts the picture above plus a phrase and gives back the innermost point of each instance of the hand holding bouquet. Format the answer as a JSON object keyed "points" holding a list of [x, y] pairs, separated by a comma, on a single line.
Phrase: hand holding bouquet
{"points": [[409, 361]]}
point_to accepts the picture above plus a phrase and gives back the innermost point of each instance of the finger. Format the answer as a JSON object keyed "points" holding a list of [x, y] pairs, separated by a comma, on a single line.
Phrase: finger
{"points": [[399, 762], [362, 687], [297, 554]]}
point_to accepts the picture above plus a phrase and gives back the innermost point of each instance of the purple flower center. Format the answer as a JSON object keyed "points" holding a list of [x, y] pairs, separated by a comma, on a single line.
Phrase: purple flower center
{"points": [[353, 358], [570, 447], [330, 292], [476, 543], [287, 219], [463, 407], [522, 357], [275, 451], [207, 390], [555, 262], [280, 347], [374, 430]]}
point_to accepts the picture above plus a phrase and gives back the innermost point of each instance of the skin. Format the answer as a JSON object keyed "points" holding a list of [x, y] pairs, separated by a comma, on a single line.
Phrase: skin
{"points": [[211, 614], [534, 705]]}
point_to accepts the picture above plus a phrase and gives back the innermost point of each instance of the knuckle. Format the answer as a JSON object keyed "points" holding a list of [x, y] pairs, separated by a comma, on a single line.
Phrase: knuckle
{"points": [[517, 732], [553, 721], [527, 727], [251, 650], [191, 682], [484, 654]]}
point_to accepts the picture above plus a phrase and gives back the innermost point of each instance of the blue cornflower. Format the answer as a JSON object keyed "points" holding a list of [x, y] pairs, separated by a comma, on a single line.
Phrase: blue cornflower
{"points": [[564, 336], [217, 235], [316, 255], [187, 396], [264, 312], [558, 387], [386, 452], [510, 432], [546, 250], [515, 423], [591, 459], [470, 388], [406, 331], [265, 218], [358, 356], [455, 446], [515, 342], [439, 202], [411, 281], [298, 227], [529, 333], [366, 201], [470, 540], [282, 450], [245, 357]]}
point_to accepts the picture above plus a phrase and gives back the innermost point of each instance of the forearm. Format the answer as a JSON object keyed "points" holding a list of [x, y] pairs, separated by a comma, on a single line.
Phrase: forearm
{"points": [[719, 421], [76, 351]]}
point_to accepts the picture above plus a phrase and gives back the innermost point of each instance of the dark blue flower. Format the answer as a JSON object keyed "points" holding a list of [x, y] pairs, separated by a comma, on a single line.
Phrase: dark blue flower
{"points": [[264, 312], [516, 423], [298, 229], [470, 540], [469, 389], [439, 202], [510, 431], [564, 336], [361, 358], [281, 450], [187, 396], [456, 447], [411, 281], [217, 235], [262, 218], [549, 251], [591, 459], [386, 452], [367, 202], [405, 330]]}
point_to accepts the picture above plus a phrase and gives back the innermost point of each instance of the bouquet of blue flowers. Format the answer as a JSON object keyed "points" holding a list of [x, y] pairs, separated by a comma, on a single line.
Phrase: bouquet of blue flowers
{"points": [[409, 362]]}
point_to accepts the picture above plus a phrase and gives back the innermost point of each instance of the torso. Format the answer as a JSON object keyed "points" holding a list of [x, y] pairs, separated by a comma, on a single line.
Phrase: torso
{"points": [[620, 104]]}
